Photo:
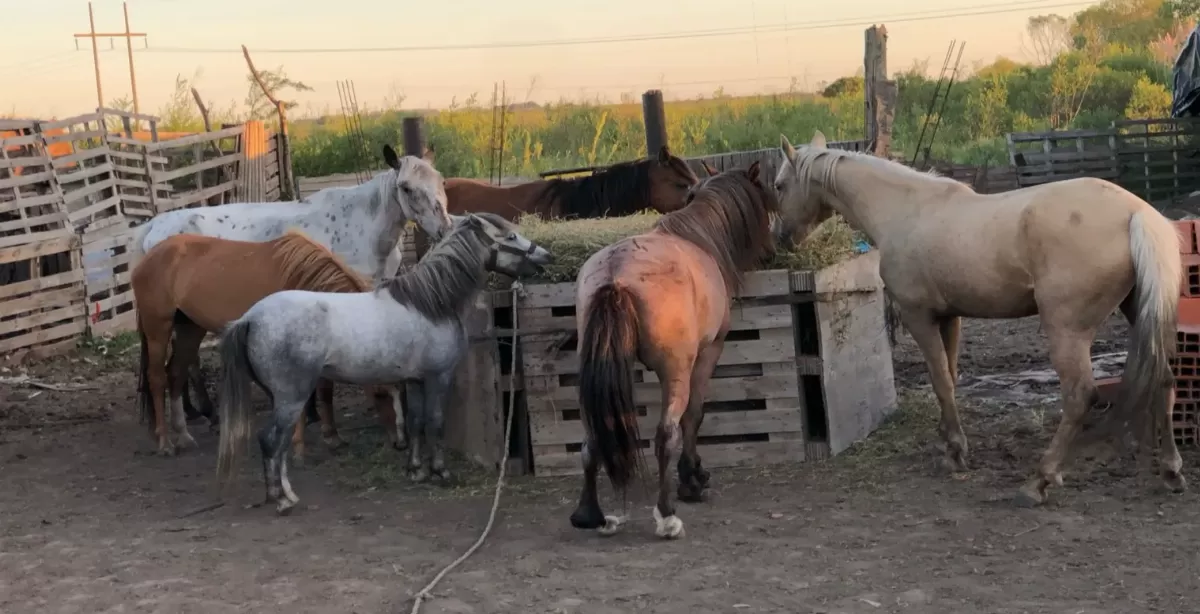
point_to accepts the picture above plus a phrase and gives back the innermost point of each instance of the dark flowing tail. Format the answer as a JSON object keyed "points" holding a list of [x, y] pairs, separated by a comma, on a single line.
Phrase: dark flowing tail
{"points": [[236, 375], [145, 402], [607, 352]]}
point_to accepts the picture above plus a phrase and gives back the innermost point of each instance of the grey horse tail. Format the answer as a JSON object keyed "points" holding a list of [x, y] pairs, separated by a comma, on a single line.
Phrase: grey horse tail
{"points": [[607, 351], [236, 375]]}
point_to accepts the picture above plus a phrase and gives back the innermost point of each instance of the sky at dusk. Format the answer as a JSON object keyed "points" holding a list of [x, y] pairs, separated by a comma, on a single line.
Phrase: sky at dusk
{"points": [[802, 41]]}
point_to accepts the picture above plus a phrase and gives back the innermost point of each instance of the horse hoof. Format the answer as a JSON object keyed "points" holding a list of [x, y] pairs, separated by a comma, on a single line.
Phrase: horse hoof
{"points": [[670, 527], [335, 443], [692, 493], [284, 507], [167, 450], [588, 518], [418, 475], [702, 476], [1174, 481], [185, 442], [443, 476], [1030, 496], [401, 445], [612, 524]]}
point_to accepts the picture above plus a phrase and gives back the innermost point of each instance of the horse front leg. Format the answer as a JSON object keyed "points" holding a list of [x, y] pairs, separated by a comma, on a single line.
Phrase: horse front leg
{"points": [[437, 394], [926, 330], [693, 479], [415, 417], [389, 410]]}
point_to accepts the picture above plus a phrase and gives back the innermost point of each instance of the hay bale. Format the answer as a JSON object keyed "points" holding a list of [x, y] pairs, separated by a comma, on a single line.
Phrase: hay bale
{"points": [[574, 241]]}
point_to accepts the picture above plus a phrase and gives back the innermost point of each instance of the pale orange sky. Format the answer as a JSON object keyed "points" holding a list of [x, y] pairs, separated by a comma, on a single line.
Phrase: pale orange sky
{"points": [[45, 77]]}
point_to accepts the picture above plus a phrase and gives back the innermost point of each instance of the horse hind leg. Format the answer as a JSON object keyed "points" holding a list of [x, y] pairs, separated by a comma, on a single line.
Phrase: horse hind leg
{"points": [[927, 331], [415, 418], [1070, 354], [188, 337], [676, 397], [274, 444], [693, 479], [329, 433], [157, 337]]}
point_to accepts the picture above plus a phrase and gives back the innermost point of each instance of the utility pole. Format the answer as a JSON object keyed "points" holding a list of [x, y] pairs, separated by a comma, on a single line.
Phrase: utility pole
{"points": [[128, 36]]}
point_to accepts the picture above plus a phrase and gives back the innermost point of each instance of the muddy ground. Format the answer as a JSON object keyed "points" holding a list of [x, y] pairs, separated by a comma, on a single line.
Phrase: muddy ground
{"points": [[90, 521]]}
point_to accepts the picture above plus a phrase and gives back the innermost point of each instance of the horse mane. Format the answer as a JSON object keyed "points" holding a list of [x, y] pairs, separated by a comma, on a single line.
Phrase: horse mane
{"points": [[308, 265], [729, 218], [621, 189], [809, 172], [445, 277]]}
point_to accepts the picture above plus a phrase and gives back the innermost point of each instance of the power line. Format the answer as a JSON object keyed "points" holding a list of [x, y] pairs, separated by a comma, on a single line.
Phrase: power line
{"points": [[927, 15]]}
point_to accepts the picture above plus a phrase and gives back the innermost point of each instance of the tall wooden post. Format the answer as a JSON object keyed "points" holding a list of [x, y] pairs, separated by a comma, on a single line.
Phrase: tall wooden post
{"points": [[413, 135], [413, 130], [654, 116], [879, 94]]}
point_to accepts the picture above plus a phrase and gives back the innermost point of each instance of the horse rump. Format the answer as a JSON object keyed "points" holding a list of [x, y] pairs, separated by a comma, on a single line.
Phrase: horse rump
{"points": [[607, 352]]}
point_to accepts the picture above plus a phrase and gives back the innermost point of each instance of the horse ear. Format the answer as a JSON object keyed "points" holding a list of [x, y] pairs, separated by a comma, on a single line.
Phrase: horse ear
{"points": [[430, 154], [389, 156], [785, 146], [708, 168], [818, 139], [753, 171], [664, 155]]}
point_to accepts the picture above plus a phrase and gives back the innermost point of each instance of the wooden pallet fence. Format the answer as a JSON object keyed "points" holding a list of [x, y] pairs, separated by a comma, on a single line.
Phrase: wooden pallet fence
{"points": [[85, 170], [41, 310], [806, 371], [1159, 159], [107, 255], [1044, 157], [768, 159], [30, 209], [201, 168], [476, 411]]}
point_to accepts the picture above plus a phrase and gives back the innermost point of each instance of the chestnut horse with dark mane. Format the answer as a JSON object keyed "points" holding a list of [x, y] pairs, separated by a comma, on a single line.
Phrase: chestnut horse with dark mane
{"points": [[660, 183], [191, 285], [663, 298]]}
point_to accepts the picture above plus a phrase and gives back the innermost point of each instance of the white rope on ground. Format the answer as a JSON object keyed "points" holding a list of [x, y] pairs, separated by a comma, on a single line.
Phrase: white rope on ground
{"points": [[517, 290]]}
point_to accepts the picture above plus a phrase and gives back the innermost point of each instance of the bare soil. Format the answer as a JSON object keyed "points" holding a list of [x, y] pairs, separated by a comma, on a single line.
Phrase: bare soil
{"points": [[91, 521]]}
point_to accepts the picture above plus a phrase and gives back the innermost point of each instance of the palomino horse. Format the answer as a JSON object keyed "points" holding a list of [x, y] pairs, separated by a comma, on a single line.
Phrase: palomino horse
{"points": [[1070, 252], [621, 189], [191, 285], [663, 297], [407, 330], [361, 224]]}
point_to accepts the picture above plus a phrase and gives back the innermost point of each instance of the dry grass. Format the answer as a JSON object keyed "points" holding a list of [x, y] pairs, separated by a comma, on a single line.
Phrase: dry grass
{"points": [[574, 241]]}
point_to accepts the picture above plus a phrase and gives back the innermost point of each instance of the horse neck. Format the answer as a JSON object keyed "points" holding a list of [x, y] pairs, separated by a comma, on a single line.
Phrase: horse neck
{"points": [[595, 196], [477, 275], [879, 199]]}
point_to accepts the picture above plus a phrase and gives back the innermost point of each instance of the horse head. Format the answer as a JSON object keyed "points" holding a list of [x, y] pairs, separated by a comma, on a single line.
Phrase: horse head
{"points": [[802, 207], [670, 181], [421, 192], [509, 252]]}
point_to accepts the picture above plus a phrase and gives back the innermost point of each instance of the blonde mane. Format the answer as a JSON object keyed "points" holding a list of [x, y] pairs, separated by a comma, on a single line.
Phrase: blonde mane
{"points": [[308, 265], [809, 173]]}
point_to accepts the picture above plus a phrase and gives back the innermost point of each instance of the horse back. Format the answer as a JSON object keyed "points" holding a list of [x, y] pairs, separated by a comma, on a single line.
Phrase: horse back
{"points": [[465, 196], [679, 291]]}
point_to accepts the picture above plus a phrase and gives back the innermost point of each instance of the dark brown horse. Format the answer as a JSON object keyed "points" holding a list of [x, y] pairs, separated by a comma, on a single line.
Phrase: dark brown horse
{"points": [[663, 298], [660, 183]]}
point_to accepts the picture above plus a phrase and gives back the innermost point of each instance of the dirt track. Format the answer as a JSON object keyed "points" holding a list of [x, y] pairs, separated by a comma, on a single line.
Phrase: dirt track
{"points": [[90, 522]]}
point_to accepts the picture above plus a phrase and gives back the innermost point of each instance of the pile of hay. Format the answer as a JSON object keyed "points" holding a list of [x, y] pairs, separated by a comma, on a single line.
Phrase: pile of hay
{"points": [[572, 242]]}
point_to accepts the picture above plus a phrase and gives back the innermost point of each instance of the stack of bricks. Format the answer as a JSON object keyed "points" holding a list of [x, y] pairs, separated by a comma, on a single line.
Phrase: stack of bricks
{"points": [[1186, 366]]}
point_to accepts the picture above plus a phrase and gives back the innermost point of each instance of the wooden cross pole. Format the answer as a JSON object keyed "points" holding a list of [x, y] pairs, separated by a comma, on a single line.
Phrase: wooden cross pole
{"points": [[96, 36]]}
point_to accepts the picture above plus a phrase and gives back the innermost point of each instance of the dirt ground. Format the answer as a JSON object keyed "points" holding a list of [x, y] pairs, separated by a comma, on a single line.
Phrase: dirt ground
{"points": [[90, 521]]}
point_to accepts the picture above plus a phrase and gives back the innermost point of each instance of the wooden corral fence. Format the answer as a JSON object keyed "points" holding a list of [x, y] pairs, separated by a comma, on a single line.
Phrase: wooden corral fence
{"points": [[70, 192], [1157, 159], [805, 373]]}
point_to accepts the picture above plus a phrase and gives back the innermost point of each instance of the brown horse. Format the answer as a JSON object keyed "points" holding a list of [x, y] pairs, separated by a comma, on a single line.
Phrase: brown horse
{"points": [[621, 189], [663, 298], [191, 285]]}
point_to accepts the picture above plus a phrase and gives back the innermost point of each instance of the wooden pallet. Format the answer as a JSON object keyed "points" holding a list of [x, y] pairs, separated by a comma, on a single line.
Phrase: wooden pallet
{"points": [[41, 306], [753, 410]]}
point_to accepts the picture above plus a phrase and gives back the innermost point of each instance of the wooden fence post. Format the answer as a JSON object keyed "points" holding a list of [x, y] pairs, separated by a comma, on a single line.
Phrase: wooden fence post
{"points": [[413, 135], [874, 75], [654, 116]]}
